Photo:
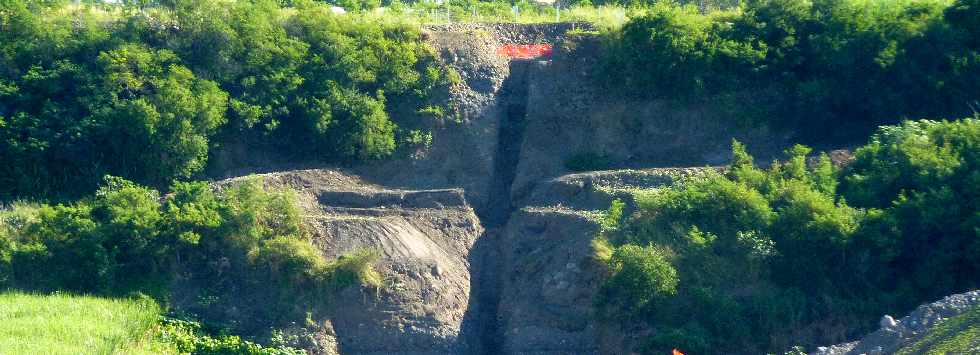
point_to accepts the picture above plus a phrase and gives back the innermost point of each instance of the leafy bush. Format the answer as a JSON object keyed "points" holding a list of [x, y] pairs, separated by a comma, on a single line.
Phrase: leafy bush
{"points": [[640, 276], [765, 259], [188, 337], [146, 94], [840, 65], [920, 179], [676, 49], [354, 268], [127, 239]]}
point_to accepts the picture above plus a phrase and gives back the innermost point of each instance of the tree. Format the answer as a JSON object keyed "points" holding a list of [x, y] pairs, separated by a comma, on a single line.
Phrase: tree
{"points": [[156, 116]]}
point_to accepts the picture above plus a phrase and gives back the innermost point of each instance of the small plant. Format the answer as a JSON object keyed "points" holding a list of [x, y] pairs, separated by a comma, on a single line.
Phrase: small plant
{"points": [[188, 337]]}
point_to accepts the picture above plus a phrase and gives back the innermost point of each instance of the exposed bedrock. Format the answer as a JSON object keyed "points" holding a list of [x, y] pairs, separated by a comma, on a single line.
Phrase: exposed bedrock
{"points": [[425, 239], [485, 240]]}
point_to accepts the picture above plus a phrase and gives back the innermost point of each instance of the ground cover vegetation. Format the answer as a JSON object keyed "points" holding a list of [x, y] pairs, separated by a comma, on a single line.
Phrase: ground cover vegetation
{"points": [[754, 260], [62, 324], [825, 67], [146, 91], [68, 324], [747, 261], [233, 247]]}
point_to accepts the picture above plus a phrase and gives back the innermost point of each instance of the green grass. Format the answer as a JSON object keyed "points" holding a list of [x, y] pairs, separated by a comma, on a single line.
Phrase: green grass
{"points": [[67, 324], [957, 335]]}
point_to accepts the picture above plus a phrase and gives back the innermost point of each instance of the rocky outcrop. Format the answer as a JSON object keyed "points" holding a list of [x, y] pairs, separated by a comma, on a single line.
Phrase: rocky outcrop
{"points": [[548, 280], [597, 189], [525, 285], [896, 334], [424, 238], [464, 147], [569, 113], [548, 276]]}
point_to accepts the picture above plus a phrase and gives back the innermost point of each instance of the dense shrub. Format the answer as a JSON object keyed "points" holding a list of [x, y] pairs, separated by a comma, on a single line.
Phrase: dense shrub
{"points": [[640, 276], [840, 65], [799, 252], [189, 337], [147, 92], [920, 180], [674, 49], [126, 238]]}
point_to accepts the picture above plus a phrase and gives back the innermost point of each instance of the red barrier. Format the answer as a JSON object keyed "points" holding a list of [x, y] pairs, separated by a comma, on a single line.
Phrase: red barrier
{"points": [[525, 51]]}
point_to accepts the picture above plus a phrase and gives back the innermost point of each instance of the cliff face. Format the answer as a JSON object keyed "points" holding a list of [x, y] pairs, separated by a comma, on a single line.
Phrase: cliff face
{"points": [[569, 114], [424, 238], [485, 239], [517, 122], [453, 287]]}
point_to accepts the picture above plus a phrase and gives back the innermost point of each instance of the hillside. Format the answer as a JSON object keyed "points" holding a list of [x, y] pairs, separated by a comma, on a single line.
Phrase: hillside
{"points": [[283, 178]]}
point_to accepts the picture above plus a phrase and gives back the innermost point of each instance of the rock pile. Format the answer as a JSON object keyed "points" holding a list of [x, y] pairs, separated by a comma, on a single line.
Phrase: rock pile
{"points": [[895, 334]]}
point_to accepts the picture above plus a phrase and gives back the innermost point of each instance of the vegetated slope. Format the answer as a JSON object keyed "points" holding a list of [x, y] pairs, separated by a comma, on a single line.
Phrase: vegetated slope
{"points": [[66, 324], [759, 260], [160, 91], [960, 335], [530, 286], [831, 69], [548, 274]]}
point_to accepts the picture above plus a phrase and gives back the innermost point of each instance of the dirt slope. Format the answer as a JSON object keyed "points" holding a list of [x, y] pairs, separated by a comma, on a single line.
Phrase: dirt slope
{"points": [[523, 285], [424, 238]]}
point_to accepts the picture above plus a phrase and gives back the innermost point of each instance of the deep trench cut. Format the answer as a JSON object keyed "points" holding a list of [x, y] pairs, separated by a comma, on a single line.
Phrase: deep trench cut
{"points": [[513, 101], [512, 106]]}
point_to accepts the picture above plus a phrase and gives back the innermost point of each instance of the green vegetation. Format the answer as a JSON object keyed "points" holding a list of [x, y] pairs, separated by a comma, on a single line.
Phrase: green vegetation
{"points": [[747, 261], [495, 11], [757, 260], [957, 335], [148, 92], [839, 65], [126, 239], [63, 324], [187, 337], [71, 324]]}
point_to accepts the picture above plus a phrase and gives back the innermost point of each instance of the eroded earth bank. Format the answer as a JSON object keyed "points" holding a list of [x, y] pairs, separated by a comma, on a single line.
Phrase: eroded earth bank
{"points": [[485, 240]]}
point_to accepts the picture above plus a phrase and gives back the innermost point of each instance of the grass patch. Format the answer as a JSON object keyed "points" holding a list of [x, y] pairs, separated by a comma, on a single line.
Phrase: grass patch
{"points": [[68, 324], [957, 335]]}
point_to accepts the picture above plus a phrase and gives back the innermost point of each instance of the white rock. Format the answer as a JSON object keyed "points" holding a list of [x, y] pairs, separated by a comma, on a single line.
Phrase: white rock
{"points": [[887, 322]]}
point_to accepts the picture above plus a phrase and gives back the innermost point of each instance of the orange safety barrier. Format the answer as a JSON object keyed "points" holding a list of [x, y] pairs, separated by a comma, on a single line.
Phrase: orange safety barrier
{"points": [[525, 51]]}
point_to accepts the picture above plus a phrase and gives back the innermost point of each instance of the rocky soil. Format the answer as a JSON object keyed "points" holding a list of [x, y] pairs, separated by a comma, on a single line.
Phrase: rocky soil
{"points": [[485, 239], [424, 237], [895, 334]]}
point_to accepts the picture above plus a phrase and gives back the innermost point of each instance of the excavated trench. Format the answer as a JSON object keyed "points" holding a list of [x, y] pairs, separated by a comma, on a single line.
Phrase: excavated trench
{"points": [[512, 107], [510, 136]]}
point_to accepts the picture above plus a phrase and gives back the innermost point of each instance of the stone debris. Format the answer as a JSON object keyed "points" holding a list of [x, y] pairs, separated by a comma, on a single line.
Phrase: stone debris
{"points": [[895, 334]]}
